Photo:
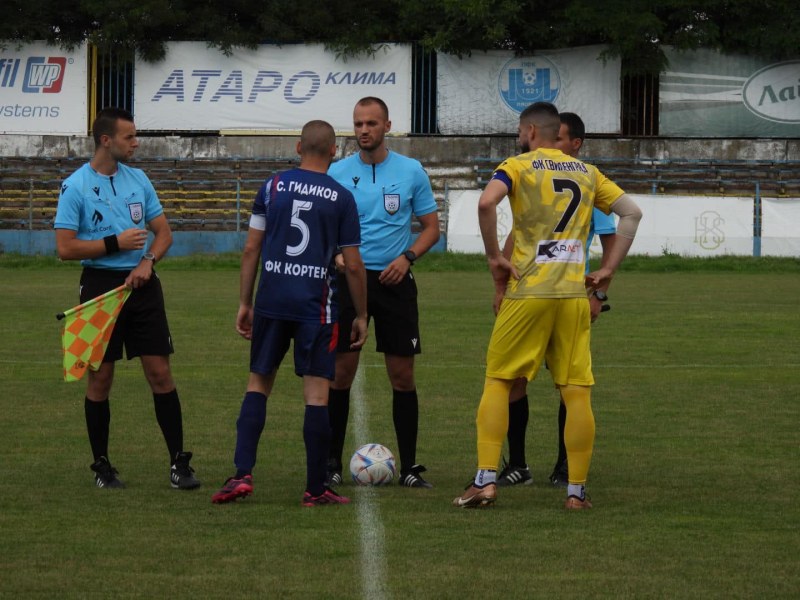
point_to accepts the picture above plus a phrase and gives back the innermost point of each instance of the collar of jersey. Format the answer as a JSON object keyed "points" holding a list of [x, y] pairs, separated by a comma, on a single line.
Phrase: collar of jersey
{"points": [[377, 165], [549, 151], [96, 174]]}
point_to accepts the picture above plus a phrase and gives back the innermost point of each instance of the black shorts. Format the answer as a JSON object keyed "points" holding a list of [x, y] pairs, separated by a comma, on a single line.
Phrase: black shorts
{"points": [[142, 323], [394, 308]]}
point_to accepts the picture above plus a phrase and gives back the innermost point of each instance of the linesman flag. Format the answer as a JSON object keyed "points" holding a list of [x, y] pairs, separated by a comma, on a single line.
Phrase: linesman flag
{"points": [[87, 329]]}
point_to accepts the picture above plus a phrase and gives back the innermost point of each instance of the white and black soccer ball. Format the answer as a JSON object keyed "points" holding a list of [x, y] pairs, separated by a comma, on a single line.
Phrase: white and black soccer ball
{"points": [[372, 464]]}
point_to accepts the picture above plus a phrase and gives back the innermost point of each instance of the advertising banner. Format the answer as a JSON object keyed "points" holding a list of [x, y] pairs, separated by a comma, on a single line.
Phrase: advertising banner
{"points": [[780, 235], [485, 93], [43, 90], [685, 225], [464, 233], [704, 93], [272, 88], [694, 225]]}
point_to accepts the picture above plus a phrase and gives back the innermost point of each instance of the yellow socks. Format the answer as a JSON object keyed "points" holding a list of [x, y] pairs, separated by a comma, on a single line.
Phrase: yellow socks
{"points": [[578, 431], [492, 422]]}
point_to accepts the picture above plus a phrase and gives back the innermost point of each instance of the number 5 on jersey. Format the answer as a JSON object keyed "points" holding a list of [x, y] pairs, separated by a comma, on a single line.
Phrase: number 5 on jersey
{"points": [[297, 207]]}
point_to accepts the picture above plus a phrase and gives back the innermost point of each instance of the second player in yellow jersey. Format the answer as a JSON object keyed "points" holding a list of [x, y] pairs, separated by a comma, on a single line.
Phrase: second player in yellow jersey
{"points": [[545, 314]]}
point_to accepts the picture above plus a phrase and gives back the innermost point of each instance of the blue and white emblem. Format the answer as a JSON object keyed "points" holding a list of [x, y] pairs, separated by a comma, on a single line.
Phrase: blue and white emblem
{"points": [[528, 79], [391, 202], [137, 211]]}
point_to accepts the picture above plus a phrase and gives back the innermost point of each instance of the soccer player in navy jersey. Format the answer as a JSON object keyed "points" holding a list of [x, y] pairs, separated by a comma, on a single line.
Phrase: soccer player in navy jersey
{"points": [[390, 190], [516, 472], [104, 212], [545, 313], [301, 217]]}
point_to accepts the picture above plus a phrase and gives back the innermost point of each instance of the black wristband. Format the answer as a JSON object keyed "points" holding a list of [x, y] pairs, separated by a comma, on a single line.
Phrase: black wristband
{"points": [[112, 244]]}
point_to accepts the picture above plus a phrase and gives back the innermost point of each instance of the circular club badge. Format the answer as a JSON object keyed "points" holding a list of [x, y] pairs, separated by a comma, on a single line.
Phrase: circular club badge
{"points": [[526, 80]]}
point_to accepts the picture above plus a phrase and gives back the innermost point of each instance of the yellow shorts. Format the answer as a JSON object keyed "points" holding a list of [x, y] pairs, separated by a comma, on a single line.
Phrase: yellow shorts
{"points": [[531, 330]]}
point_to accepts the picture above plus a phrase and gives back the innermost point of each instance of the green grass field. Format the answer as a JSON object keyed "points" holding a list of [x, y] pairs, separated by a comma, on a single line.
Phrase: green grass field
{"points": [[694, 476]]}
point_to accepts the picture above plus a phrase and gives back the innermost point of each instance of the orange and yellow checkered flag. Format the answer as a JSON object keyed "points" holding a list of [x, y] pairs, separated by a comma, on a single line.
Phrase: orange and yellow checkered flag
{"points": [[87, 330]]}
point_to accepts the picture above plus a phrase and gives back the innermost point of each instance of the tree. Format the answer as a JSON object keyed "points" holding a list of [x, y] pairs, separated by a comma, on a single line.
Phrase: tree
{"points": [[635, 30]]}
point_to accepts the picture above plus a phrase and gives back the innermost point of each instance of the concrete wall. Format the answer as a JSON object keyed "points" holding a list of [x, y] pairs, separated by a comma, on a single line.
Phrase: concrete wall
{"points": [[447, 159], [431, 151], [184, 243]]}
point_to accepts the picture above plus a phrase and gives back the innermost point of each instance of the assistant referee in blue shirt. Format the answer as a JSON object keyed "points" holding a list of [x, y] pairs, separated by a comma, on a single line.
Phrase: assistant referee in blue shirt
{"points": [[104, 212]]}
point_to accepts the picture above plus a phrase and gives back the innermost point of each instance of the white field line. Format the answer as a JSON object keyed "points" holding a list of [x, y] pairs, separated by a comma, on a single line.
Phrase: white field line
{"points": [[370, 525]]}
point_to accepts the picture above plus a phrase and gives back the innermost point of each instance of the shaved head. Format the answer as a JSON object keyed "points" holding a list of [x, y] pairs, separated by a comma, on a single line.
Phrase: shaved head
{"points": [[373, 100], [545, 117], [317, 137]]}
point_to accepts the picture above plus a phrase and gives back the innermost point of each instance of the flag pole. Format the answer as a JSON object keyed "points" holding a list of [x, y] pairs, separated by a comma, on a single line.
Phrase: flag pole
{"points": [[88, 303]]}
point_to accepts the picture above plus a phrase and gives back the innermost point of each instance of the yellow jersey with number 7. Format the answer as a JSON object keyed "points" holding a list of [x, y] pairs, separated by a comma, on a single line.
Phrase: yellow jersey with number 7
{"points": [[552, 196]]}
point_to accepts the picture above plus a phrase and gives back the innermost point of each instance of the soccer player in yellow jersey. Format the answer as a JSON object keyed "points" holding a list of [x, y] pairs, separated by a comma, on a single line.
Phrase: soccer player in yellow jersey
{"points": [[545, 314], [516, 472]]}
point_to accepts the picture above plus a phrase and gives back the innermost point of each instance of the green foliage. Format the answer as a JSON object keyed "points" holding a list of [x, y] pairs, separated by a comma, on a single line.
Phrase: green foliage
{"points": [[771, 28], [461, 27], [635, 30]]}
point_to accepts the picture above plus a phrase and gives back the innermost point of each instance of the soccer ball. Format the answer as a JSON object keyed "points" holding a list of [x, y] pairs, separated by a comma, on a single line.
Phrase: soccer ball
{"points": [[372, 464]]}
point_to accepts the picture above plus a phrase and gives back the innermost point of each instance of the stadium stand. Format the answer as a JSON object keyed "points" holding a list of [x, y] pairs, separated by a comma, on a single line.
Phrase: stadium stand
{"points": [[216, 194], [708, 177], [196, 194]]}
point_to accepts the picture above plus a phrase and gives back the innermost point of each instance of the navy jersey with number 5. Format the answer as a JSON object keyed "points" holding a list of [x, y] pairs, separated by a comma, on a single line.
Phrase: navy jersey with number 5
{"points": [[305, 216]]}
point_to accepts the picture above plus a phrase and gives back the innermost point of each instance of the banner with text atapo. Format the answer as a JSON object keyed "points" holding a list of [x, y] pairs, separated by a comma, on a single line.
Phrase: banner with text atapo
{"points": [[704, 93], [272, 88], [43, 89]]}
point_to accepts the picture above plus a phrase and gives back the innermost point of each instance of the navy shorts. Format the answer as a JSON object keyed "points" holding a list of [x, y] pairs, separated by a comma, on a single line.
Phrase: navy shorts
{"points": [[394, 309], [314, 346], [142, 326]]}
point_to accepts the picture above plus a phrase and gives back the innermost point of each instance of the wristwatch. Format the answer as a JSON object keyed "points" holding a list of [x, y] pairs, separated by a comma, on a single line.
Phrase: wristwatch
{"points": [[410, 256], [149, 256], [600, 295]]}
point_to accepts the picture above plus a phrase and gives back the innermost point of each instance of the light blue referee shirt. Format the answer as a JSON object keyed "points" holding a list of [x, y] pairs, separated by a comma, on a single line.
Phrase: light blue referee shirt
{"points": [[387, 195], [601, 224], [98, 205]]}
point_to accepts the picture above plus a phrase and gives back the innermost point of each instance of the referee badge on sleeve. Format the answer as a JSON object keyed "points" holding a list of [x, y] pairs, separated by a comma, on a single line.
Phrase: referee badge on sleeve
{"points": [[137, 211], [391, 202]]}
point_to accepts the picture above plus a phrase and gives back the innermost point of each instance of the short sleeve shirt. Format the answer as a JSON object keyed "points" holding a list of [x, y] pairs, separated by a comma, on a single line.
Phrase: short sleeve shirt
{"points": [[552, 196], [97, 206], [305, 217], [602, 223], [387, 194]]}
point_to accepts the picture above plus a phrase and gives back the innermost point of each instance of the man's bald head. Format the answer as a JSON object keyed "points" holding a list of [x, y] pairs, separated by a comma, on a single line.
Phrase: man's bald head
{"points": [[316, 138]]}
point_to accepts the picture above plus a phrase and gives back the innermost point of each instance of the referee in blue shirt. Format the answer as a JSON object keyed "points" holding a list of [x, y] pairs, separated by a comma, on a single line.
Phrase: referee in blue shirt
{"points": [[390, 189], [104, 212]]}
